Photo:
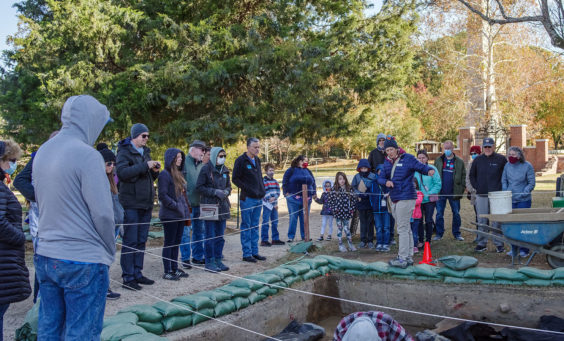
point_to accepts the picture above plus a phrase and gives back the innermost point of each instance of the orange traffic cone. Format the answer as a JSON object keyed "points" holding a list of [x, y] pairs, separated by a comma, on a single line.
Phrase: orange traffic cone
{"points": [[427, 256]]}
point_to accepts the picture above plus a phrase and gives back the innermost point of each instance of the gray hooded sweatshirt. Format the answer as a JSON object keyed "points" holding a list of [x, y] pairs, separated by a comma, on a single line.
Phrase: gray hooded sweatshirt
{"points": [[76, 217]]}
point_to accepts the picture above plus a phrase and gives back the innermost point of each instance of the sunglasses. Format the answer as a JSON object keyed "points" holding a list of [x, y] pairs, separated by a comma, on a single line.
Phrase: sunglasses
{"points": [[145, 136], [221, 156], [110, 163], [13, 160], [487, 146]]}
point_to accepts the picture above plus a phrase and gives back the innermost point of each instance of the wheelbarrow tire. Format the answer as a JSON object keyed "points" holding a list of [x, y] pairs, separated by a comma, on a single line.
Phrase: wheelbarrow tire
{"points": [[553, 261]]}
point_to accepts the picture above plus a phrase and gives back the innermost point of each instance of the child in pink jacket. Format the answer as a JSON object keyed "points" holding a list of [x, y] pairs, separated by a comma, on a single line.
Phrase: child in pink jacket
{"points": [[416, 217]]}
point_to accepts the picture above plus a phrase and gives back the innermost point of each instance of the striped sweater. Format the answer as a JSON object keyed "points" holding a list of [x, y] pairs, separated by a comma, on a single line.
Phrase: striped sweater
{"points": [[271, 187]]}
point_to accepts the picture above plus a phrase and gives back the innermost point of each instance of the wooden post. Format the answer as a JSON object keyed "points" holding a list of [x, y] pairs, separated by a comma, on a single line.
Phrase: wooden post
{"points": [[306, 212]]}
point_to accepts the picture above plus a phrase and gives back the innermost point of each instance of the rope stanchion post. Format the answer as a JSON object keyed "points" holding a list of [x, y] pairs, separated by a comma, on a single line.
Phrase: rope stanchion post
{"points": [[238, 208], [306, 211]]}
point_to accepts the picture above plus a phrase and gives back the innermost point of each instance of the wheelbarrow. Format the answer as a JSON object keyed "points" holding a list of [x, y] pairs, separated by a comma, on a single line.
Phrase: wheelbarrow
{"points": [[538, 229]]}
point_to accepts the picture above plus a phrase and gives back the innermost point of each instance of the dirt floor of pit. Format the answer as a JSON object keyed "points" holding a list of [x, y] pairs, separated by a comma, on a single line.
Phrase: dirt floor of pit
{"points": [[200, 280]]}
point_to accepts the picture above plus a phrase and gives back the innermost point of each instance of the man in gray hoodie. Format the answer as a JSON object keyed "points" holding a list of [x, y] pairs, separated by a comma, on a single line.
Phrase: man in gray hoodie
{"points": [[75, 238]]}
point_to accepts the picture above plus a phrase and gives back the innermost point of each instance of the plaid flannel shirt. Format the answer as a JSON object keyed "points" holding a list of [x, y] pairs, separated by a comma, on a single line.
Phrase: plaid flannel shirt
{"points": [[388, 329]]}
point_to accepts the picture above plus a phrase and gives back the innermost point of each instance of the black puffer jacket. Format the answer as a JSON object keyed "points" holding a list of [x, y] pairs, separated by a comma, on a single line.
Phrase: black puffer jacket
{"points": [[135, 185], [14, 276], [212, 178]]}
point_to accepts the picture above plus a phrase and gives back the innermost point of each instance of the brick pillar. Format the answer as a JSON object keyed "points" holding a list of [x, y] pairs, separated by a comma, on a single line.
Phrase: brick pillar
{"points": [[541, 153], [518, 136], [530, 156], [465, 141]]}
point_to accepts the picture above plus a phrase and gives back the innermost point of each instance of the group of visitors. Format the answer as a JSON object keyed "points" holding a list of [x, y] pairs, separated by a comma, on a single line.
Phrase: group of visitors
{"points": [[98, 196]]}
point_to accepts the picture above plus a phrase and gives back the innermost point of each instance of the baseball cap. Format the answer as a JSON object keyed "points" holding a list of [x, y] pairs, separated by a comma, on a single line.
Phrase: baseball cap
{"points": [[198, 144], [488, 142]]}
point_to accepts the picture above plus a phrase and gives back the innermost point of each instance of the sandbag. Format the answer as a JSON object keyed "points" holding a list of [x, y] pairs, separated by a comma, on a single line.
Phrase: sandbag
{"points": [[234, 291], [264, 278], [177, 322], [216, 295], [509, 275], [292, 279], [311, 274], [534, 282], [459, 262], [197, 302], [487, 281], [241, 302], [146, 313], [242, 283], [145, 337], [254, 298], [381, 267], [280, 272], [558, 273], [116, 332], [399, 271], [28, 331], [355, 272], [456, 280], [480, 273], [266, 291], [316, 262], [279, 284], [224, 308], [121, 318], [298, 268], [176, 308], [426, 270], [536, 273], [331, 260], [324, 269], [204, 315], [448, 272], [152, 327], [349, 264], [558, 282]]}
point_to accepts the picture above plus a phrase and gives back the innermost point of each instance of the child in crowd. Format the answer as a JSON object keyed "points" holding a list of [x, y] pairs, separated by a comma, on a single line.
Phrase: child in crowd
{"points": [[361, 184], [379, 205], [270, 207], [416, 216], [326, 213], [342, 201]]}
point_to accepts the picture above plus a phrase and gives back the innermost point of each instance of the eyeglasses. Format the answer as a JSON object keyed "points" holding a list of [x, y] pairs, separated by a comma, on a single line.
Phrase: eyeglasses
{"points": [[487, 146], [221, 156], [145, 136], [110, 163]]}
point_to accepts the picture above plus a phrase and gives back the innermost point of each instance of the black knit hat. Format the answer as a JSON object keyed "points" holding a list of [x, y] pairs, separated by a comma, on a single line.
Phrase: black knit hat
{"points": [[422, 151], [107, 154], [390, 142]]}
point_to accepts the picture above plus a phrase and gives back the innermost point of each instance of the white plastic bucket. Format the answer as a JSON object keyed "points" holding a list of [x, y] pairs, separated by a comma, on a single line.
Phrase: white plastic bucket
{"points": [[500, 202]]}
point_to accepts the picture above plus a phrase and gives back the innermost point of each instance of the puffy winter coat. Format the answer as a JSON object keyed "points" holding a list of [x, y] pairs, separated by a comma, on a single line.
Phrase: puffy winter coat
{"points": [[429, 184], [342, 203], [518, 178], [173, 206], [294, 178], [324, 199], [214, 178], [404, 188], [364, 203]]}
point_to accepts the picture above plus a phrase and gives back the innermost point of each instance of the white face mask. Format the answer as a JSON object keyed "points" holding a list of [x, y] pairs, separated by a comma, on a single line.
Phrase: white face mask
{"points": [[220, 160]]}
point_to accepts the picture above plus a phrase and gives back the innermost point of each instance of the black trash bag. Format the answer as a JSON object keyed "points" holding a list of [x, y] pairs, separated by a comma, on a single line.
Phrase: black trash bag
{"points": [[469, 331], [546, 322], [550, 322], [296, 331]]}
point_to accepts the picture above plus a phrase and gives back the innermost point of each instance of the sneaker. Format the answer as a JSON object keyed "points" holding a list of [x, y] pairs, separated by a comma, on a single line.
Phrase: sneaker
{"points": [[201, 262], [171, 276], [362, 245], [342, 248], [523, 254], [329, 237], [110, 295], [415, 249], [278, 242], [249, 259], [265, 244], [186, 264], [398, 263], [500, 249], [145, 281], [420, 245], [131, 285], [181, 274], [459, 238], [409, 261], [211, 267], [320, 239], [385, 248], [370, 245], [436, 238], [259, 257], [351, 246], [393, 242], [480, 248], [510, 253], [290, 240], [221, 266], [378, 247]]}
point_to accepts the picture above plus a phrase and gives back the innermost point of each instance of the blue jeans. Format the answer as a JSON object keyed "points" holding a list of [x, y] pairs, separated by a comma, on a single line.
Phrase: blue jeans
{"points": [[134, 239], [172, 236], [198, 235], [521, 204], [415, 230], [296, 210], [73, 299], [269, 216], [214, 239], [382, 222], [3, 308], [250, 216], [440, 221], [186, 247]]}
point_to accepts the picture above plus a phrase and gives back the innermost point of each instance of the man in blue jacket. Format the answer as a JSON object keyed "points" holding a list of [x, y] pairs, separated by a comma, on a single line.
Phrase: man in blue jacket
{"points": [[398, 176]]}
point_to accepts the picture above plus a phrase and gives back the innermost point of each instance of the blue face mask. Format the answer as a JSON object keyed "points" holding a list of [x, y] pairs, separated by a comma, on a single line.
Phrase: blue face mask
{"points": [[12, 168], [474, 156], [448, 152]]}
